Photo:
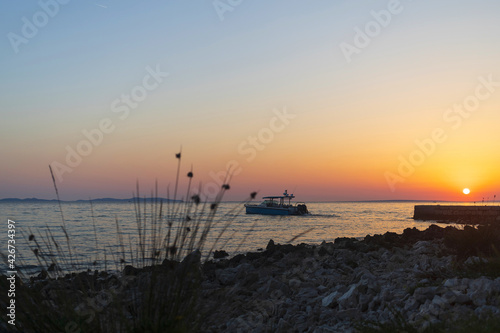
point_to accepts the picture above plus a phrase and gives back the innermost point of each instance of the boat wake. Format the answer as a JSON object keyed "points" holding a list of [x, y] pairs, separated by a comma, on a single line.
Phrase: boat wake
{"points": [[323, 215]]}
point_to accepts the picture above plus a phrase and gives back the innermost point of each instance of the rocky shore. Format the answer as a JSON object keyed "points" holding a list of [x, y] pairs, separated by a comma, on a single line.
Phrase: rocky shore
{"points": [[439, 280], [413, 280]]}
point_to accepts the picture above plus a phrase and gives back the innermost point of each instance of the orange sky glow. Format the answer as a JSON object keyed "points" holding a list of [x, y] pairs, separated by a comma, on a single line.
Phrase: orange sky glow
{"points": [[274, 96]]}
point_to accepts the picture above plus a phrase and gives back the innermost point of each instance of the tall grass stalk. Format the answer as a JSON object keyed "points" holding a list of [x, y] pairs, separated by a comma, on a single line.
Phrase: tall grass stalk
{"points": [[156, 282]]}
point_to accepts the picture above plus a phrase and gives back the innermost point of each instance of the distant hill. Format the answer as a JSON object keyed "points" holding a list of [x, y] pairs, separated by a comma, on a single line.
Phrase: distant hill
{"points": [[34, 200], [26, 200]]}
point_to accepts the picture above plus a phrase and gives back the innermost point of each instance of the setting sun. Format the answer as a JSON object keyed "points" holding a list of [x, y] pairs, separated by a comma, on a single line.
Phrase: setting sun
{"points": [[466, 191]]}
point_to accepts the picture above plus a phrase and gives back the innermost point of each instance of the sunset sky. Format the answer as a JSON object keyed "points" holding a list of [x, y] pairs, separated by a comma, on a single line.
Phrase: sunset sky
{"points": [[332, 100]]}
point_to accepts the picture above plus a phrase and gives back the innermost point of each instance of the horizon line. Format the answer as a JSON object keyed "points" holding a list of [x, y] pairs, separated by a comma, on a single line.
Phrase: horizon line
{"points": [[229, 201]]}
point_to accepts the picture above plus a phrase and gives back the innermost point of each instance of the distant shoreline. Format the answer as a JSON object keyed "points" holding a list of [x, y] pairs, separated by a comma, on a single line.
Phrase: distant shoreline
{"points": [[114, 200]]}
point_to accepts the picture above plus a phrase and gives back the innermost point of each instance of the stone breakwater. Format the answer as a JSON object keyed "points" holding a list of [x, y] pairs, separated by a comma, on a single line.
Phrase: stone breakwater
{"points": [[335, 287], [456, 213]]}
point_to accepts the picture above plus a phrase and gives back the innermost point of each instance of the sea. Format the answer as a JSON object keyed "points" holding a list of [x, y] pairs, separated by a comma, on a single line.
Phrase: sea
{"points": [[94, 236]]}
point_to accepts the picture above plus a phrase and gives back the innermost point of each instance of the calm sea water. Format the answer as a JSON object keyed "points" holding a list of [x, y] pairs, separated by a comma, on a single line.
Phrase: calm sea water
{"points": [[326, 222]]}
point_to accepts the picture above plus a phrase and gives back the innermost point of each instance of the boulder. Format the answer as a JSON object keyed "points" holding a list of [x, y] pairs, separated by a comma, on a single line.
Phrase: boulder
{"points": [[220, 254], [330, 300], [349, 299]]}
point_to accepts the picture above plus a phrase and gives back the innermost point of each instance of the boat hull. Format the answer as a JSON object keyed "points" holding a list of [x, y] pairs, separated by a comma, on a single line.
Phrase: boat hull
{"points": [[255, 209]]}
